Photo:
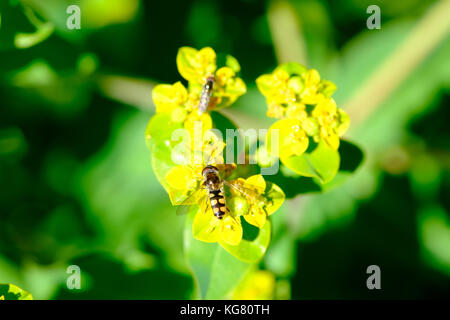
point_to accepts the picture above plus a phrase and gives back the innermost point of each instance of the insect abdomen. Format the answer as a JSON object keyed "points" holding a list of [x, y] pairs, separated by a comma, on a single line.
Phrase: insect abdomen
{"points": [[217, 201], [205, 96]]}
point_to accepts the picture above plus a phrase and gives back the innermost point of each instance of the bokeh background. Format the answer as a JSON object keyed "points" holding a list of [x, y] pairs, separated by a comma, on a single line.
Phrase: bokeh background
{"points": [[76, 183]]}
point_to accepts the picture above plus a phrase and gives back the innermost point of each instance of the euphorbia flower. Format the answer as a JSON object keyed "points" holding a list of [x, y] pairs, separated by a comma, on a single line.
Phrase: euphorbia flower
{"points": [[333, 122], [255, 201], [311, 94], [206, 227], [197, 65], [181, 105], [302, 101], [292, 139]]}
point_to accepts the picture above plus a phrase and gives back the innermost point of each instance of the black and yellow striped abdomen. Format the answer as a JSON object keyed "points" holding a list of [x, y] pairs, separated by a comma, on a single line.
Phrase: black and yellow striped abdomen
{"points": [[217, 201]]}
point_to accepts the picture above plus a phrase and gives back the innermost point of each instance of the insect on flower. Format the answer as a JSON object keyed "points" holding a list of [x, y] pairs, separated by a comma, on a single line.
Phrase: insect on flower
{"points": [[211, 190], [205, 95]]}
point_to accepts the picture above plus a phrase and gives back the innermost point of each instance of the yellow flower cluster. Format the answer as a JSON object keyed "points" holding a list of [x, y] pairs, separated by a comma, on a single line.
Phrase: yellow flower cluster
{"points": [[254, 207], [254, 204], [196, 66], [303, 103], [176, 103], [181, 105]]}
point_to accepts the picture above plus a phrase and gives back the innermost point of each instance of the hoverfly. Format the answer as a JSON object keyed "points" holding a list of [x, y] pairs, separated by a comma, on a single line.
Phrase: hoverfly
{"points": [[205, 95], [211, 190]]}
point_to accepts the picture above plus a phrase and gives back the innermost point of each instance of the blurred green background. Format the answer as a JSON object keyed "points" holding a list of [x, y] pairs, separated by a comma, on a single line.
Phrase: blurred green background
{"points": [[77, 185]]}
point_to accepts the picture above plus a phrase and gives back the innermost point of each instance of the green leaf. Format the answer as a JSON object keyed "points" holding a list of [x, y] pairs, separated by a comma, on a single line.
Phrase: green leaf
{"points": [[27, 40], [139, 203], [322, 163], [434, 233], [157, 135], [233, 63], [385, 126], [281, 258], [12, 292], [162, 163], [351, 156], [293, 183], [292, 68], [251, 250], [216, 272], [222, 123], [160, 129]]}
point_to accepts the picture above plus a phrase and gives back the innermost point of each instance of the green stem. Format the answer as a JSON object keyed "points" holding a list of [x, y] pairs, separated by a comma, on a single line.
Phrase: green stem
{"points": [[428, 33], [286, 33]]}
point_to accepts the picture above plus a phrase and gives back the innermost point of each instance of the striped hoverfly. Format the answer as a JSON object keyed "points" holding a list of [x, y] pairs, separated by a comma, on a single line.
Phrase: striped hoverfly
{"points": [[206, 94], [211, 191]]}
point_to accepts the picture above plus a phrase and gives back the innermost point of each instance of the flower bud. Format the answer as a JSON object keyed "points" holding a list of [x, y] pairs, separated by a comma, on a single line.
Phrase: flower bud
{"points": [[296, 84], [311, 126], [264, 159]]}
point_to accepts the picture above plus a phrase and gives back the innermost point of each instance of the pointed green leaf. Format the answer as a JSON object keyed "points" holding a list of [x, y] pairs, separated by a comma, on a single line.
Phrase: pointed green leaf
{"points": [[160, 129], [251, 251], [322, 163], [12, 292], [216, 272], [292, 68], [233, 63]]}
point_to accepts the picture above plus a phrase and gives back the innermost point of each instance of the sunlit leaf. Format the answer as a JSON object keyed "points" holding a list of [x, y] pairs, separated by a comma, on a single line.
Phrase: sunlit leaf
{"points": [[12, 292], [322, 163], [251, 251], [160, 129], [216, 272], [434, 231], [292, 68], [162, 164], [233, 63]]}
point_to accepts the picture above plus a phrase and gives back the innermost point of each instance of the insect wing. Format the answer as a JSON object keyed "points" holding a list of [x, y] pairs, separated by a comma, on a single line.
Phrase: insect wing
{"points": [[191, 200], [244, 191], [249, 194], [204, 204]]}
